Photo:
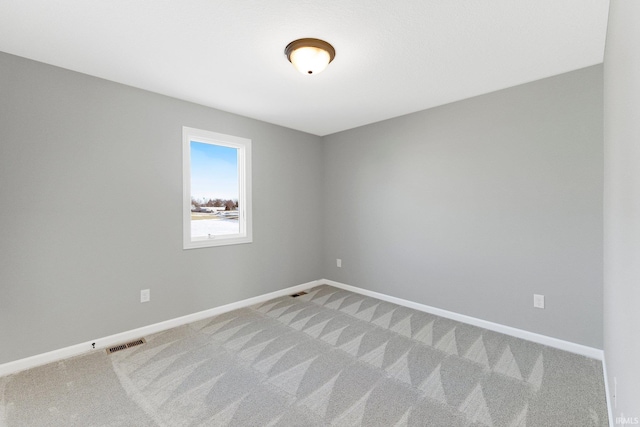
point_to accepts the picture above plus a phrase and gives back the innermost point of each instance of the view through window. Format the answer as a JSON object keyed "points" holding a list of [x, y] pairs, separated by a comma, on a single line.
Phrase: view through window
{"points": [[217, 207]]}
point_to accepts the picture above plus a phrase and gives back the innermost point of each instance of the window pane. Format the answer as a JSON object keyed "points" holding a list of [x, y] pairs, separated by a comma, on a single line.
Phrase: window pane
{"points": [[214, 190]]}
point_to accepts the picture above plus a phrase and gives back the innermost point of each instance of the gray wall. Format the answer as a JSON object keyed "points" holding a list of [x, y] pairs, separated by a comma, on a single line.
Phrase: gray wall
{"points": [[470, 207], [91, 210], [475, 206], [622, 207]]}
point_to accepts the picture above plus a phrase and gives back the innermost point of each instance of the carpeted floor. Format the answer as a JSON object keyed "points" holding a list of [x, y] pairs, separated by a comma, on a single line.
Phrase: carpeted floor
{"points": [[330, 357]]}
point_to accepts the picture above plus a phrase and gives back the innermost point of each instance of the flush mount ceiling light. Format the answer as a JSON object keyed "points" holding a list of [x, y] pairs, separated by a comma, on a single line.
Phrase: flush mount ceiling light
{"points": [[310, 56]]}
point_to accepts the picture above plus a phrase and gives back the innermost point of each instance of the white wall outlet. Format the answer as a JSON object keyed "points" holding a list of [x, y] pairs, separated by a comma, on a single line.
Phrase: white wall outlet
{"points": [[339, 262], [145, 295], [538, 301]]}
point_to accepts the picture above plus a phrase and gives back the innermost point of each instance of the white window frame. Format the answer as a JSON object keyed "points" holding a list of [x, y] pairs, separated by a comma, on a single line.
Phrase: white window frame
{"points": [[244, 187]]}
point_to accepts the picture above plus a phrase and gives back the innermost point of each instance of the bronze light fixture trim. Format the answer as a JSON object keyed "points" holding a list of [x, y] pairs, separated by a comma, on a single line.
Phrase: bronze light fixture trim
{"points": [[310, 56]]}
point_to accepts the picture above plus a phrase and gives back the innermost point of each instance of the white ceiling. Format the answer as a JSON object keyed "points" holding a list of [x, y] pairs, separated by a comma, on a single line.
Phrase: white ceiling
{"points": [[392, 57]]}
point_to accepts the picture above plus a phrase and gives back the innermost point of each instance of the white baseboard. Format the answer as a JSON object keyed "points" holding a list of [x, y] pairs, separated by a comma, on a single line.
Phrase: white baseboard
{"points": [[111, 340], [606, 391], [583, 350]]}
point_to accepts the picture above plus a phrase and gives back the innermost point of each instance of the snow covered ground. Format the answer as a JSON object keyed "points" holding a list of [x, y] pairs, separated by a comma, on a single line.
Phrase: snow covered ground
{"points": [[204, 227]]}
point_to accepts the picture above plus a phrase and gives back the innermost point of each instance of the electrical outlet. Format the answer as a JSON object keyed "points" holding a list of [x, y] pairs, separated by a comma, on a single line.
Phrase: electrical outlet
{"points": [[538, 301], [145, 295], [339, 262]]}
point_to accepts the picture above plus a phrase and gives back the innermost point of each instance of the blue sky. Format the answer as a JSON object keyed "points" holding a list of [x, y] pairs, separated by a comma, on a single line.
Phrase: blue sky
{"points": [[214, 171]]}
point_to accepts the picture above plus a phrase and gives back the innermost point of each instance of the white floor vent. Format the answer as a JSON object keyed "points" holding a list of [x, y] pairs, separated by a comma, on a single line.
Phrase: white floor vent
{"points": [[126, 346]]}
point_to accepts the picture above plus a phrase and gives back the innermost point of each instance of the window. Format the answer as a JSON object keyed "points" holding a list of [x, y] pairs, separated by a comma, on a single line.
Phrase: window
{"points": [[216, 189]]}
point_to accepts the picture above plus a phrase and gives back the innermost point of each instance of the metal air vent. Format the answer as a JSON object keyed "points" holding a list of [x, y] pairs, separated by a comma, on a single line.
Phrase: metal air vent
{"points": [[125, 346]]}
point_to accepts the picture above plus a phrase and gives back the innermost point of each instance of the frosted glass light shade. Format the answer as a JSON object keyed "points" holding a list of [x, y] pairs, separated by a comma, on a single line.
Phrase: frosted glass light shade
{"points": [[310, 60], [310, 56]]}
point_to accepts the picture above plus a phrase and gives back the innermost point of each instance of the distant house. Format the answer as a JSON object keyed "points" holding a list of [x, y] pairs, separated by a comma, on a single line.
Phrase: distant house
{"points": [[208, 209]]}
